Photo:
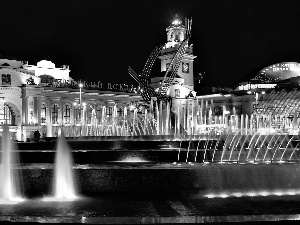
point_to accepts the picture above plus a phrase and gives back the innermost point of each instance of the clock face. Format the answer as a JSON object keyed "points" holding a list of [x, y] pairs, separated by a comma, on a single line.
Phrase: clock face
{"points": [[185, 67]]}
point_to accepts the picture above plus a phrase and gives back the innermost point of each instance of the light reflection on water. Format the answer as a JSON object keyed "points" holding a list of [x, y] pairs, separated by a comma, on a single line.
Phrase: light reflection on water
{"points": [[125, 208], [11, 201], [139, 162], [132, 159], [259, 193], [132, 163], [58, 199]]}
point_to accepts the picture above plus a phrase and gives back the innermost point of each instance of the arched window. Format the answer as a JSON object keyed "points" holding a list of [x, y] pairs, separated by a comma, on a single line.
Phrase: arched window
{"points": [[43, 113], [120, 111], [7, 115], [99, 113], [6, 79], [77, 115], [218, 111], [67, 113], [88, 114], [55, 114], [109, 111]]}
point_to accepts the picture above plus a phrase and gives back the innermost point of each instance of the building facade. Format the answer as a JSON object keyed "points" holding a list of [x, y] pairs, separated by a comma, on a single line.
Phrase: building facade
{"points": [[44, 97], [182, 86]]}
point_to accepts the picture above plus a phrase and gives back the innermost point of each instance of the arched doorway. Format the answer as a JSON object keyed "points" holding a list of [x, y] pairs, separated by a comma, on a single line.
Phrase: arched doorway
{"points": [[7, 115]]}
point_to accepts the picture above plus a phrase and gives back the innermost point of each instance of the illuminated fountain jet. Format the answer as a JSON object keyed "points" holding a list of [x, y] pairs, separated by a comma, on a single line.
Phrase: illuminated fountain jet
{"points": [[64, 185], [9, 178]]}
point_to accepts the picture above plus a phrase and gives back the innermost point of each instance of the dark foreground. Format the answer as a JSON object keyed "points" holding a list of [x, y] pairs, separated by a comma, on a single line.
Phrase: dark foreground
{"points": [[151, 209]]}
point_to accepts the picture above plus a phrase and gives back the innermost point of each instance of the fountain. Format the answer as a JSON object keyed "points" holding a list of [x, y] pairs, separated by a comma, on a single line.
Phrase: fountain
{"points": [[64, 184], [213, 162], [203, 163], [10, 189], [63, 173], [210, 156], [158, 139]]}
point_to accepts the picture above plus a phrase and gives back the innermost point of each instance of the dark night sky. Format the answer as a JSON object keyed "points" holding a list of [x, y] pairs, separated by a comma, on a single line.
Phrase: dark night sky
{"points": [[232, 39]]}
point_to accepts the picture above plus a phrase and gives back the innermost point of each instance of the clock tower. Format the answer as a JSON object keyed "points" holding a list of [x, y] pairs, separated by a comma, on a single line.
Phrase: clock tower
{"points": [[175, 35]]}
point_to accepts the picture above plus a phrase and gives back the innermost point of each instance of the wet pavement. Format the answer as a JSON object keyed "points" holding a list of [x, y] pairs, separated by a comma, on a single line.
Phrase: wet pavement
{"points": [[148, 209]]}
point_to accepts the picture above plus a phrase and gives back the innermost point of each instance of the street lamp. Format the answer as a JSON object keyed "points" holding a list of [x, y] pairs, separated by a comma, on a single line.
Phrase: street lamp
{"points": [[80, 86]]}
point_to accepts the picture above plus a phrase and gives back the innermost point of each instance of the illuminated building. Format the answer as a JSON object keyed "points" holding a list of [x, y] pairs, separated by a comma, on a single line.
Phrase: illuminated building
{"points": [[33, 96], [182, 85], [274, 90], [284, 98]]}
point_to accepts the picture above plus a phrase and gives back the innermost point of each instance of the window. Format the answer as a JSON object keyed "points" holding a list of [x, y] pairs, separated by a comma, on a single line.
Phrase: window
{"points": [[120, 112], [177, 93], [109, 112], [54, 114], [88, 114], [185, 67], [77, 115], [218, 111], [7, 115], [6, 79], [238, 109], [99, 113], [43, 113], [67, 114]]}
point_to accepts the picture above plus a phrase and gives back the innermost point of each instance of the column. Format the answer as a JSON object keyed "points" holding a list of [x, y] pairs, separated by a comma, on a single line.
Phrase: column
{"points": [[83, 120], [61, 113], [72, 116], [188, 117], [39, 105], [24, 110], [48, 119], [35, 110]]}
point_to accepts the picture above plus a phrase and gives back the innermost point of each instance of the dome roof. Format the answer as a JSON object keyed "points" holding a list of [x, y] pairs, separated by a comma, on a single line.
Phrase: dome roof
{"points": [[278, 72], [46, 64], [176, 23]]}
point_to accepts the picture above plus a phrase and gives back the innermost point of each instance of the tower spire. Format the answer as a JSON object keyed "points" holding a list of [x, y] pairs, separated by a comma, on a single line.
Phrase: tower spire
{"points": [[176, 31], [177, 54]]}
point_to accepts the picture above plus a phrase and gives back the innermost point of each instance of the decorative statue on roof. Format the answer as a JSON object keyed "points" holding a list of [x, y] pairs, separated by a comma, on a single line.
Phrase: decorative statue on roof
{"points": [[30, 81]]}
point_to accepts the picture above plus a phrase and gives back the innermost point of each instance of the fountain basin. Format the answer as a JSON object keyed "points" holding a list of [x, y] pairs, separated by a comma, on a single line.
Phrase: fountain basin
{"points": [[155, 209], [196, 178], [162, 155]]}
